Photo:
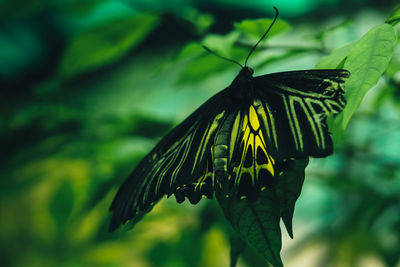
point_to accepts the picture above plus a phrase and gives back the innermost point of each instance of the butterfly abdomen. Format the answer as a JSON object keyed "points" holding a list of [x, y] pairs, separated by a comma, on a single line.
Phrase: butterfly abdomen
{"points": [[221, 147]]}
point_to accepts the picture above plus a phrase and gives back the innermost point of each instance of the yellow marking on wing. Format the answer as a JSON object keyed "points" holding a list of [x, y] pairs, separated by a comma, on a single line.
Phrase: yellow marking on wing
{"points": [[245, 121], [255, 139], [291, 125], [246, 136], [273, 128], [235, 132], [271, 158], [255, 124], [263, 147], [251, 169], [270, 165], [202, 179], [206, 138]]}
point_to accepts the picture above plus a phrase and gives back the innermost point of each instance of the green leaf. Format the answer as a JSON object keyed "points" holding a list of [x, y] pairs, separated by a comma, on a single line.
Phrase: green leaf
{"points": [[237, 247], [222, 44], [201, 68], [367, 60], [190, 51], [394, 18], [394, 65], [257, 222], [341, 64], [105, 44], [332, 60], [62, 203], [256, 28], [288, 190], [201, 22]]}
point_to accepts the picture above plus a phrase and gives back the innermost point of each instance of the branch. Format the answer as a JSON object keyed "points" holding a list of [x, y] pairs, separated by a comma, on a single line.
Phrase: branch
{"points": [[289, 47]]}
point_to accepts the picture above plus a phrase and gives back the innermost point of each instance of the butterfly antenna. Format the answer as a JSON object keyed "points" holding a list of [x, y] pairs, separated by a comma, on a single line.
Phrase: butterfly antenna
{"points": [[225, 58], [262, 37]]}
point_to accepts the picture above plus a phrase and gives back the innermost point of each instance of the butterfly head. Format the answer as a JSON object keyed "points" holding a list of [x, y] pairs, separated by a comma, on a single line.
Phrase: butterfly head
{"points": [[245, 75], [247, 71]]}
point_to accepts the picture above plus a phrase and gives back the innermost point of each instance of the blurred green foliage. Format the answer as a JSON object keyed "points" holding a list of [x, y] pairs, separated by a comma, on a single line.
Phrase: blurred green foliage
{"points": [[88, 87], [105, 44], [256, 28]]}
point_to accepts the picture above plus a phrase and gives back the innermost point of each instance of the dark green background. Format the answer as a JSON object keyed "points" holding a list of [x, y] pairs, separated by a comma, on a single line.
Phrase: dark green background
{"points": [[88, 87]]}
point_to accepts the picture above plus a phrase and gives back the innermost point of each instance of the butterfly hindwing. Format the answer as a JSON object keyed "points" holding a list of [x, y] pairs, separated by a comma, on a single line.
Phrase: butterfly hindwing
{"points": [[293, 107], [242, 163]]}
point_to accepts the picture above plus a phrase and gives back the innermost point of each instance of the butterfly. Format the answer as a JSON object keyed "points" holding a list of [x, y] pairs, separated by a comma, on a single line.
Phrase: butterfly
{"points": [[243, 137]]}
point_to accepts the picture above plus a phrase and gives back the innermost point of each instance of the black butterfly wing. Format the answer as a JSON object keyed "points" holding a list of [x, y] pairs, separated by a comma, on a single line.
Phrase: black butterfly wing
{"points": [[180, 164], [293, 107], [285, 119]]}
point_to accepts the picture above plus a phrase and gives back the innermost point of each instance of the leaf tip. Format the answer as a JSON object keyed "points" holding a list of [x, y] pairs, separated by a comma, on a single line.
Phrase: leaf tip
{"points": [[288, 225]]}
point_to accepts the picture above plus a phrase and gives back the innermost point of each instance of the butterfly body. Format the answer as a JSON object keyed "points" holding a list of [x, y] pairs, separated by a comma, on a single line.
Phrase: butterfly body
{"points": [[241, 138]]}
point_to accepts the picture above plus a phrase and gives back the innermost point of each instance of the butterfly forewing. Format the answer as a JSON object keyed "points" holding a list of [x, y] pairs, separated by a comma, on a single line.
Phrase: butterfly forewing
{"points": [[199, 188], [293, 107], [180, 163]]}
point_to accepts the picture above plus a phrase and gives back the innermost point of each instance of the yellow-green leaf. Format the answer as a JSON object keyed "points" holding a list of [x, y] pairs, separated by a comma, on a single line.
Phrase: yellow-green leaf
{"points": [[332, 60], [367, 61]]}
